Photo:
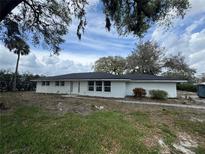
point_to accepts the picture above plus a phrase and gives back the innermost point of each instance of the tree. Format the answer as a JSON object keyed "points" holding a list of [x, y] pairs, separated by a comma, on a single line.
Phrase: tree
{"points": [[136, 16], [203, 77], [114, 65], [45, 21], [48, 20], [15, 43], [176, 66], [23, 82], [145, 59]]}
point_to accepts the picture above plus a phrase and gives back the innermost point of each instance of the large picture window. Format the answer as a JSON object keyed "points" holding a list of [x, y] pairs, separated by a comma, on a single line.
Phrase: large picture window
{"points": [[90, 85], [98, 85], [107, 86]]}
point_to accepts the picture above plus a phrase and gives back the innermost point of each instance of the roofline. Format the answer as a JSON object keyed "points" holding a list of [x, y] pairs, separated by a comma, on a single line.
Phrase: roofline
{"points": [[164, 81], [80, 80], [127, 80]]}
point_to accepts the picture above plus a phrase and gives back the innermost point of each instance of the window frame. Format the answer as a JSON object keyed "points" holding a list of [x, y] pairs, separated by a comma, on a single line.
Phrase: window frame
{"points": [[91, 86], [107, 86], [57, 83], [98, 86], [62, 83], [43, 83], [47, 83]]}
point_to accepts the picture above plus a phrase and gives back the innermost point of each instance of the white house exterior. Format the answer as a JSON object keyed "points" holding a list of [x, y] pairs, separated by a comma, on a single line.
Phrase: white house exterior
{"points": [[100, 84]]}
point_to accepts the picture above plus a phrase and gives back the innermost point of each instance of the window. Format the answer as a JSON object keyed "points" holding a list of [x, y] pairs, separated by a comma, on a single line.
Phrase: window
{"points": [[62, 83], [98, 85], [107, 86], [78, 87], [71, 86], [90, 85], [47, 83], [57, 83], [43, 83]]}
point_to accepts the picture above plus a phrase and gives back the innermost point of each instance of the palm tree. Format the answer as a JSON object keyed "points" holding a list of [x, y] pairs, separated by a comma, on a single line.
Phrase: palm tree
{"points": [[14, 41]]}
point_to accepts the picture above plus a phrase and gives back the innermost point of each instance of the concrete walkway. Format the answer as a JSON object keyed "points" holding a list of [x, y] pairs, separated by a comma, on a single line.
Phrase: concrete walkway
{"points": [[164, 104], [141, 103]]}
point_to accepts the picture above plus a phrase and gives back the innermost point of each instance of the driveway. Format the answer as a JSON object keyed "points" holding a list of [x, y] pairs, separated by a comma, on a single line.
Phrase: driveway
{"points": [[202, 107], [164, 104]]}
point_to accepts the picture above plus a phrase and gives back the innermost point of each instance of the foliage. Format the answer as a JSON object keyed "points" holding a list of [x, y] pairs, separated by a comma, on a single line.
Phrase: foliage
{"points": [[137, 16], [177, 67], [23, 81], [202, 79], [187, 87], [145, 59], [114, 65], [14, 41], [48, 20], [158, 94], [170, 137], [139, 92]]}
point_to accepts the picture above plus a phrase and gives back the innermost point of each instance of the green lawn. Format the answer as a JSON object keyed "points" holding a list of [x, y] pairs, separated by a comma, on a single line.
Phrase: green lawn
{"points": [[34, 129]]}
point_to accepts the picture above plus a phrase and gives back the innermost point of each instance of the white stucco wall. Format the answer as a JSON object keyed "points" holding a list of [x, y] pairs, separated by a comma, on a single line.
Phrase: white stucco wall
{"points": [[170, 88], [52, 88], [118, 89]]}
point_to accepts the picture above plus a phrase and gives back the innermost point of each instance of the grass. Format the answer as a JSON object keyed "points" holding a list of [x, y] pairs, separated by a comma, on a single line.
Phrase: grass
{"points": [[34, 124], [168, 135], [32, 130]]}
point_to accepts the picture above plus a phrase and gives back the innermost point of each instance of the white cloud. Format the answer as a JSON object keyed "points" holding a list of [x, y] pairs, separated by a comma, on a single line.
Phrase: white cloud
{"points": [[188, 41], [197, 6], [40, 62]]}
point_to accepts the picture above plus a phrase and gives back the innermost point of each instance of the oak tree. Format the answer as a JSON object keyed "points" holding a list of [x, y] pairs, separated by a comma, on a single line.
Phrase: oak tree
{"points": [[145, 59], [114, 65]]}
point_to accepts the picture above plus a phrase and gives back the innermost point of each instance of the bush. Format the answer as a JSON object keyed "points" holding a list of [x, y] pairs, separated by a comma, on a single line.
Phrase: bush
{"points": [[139, 92], [158, 94], [187, 87]]}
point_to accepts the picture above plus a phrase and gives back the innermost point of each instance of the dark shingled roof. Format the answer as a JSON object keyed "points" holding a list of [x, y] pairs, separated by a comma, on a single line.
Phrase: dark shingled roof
{"points": [[137, 76], [87, 75], [103, 75]]}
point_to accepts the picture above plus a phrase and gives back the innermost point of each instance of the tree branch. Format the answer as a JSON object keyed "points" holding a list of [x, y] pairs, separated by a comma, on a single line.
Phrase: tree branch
{"points": [[6, 6]]}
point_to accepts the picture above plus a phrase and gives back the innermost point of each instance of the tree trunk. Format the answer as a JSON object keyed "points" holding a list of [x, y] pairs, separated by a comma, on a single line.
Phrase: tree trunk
{"points": [[16, 72], [6, 6]]}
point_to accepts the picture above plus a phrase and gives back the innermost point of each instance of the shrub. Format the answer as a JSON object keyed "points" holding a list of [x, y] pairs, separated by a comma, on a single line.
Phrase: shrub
{"points": [[158, 94], [139, 92], [187, 87]]}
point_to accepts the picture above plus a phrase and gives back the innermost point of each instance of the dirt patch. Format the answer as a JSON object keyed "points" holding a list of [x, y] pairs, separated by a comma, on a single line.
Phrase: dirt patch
{"points": [[151, 140], [164, 149], [185, 144], [194, 119]]}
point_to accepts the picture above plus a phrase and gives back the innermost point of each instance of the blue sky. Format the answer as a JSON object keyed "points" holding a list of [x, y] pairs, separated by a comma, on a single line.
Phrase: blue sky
{"points": [[186, 36]]}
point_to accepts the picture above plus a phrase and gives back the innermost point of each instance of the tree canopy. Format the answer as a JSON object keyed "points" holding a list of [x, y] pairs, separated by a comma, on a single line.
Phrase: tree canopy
{"points": [[145, 59], [114, 65], [47, 21], [177, 67]]}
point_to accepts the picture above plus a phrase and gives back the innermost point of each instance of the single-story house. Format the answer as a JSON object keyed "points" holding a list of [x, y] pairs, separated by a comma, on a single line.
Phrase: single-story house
{"points": [[102, 84]]}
